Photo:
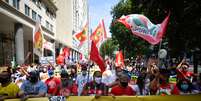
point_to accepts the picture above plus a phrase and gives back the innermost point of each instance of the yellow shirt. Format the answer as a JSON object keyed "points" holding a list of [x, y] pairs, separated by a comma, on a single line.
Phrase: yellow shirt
{"points": [[10, 90]]}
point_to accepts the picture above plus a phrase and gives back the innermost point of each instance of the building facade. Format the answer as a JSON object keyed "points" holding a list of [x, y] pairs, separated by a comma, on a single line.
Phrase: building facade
{"points": [[71, 16], [18, 19]]}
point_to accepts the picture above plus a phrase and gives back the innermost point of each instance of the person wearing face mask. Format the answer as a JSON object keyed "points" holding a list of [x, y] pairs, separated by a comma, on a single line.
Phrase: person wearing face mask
{"points": [[33, 87], [122, 88], [7, 88], [82, 79], [184, 87], [95, 87], [164, 87], [52, 83], [65, 87]]}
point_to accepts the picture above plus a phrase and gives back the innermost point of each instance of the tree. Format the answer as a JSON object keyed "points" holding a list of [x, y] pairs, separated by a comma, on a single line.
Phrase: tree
{"points": [[108, 48]]}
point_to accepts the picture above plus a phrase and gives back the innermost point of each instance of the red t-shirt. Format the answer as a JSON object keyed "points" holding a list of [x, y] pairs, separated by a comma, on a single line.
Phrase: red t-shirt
{"points": [[168, 89], [181, 74], [52, 85], [118, 90]]}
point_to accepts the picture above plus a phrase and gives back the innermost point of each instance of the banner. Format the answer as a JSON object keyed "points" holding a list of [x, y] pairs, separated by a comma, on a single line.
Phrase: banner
{"points": [[141, 26], [99, 35], [123, 98], [38, 40], [46, 60], [48, 45]]}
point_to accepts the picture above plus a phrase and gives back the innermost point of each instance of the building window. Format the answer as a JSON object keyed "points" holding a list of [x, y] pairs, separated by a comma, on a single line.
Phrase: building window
{"points": [[33, 15], [51, 27], [16, 4], [39, 18], [27, 9], [47, 24]]}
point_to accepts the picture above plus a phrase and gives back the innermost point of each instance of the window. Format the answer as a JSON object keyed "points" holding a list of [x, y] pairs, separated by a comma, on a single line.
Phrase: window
{"points": [[51, 27], [27, 9], [34, 1], [16, 4], [33, 15], [47, 24], [39, 18]]}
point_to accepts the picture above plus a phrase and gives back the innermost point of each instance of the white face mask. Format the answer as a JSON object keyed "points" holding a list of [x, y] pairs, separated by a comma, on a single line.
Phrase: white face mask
{"points": [[98, 80]]}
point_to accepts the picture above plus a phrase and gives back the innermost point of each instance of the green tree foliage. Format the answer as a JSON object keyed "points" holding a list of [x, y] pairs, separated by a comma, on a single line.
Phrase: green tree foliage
{"points": [[130, 44], [183, 32], [108, 48]]}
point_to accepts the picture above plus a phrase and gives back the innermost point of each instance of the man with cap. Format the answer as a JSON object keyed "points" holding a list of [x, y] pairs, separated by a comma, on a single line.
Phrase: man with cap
{"points": [[52, 84], [82, 79], [7, 88], [33, 87]]}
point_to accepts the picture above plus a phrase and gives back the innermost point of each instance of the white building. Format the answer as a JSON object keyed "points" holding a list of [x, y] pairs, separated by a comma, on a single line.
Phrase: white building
{"points": [[17, 23], [71, 16]]}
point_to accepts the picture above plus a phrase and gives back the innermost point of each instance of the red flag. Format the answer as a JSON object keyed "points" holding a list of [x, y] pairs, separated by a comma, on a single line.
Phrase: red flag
{"points": [[141, 26], [95, 56], [99, 34], [66, 52], [119, 59], [82, 36], [38, 40]]}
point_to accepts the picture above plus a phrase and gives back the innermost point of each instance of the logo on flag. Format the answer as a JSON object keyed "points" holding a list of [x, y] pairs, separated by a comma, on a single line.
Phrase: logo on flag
{"points": [[38, 40], [141, 26], [99, 35], [81, 36]]}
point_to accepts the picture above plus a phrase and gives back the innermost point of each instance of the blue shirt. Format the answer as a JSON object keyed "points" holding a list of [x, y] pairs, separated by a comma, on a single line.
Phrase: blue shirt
{"points": [[33, 89]]}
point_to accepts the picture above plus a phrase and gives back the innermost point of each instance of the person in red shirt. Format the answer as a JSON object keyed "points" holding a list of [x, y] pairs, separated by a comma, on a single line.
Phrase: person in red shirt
{"points": [[122, 88], [66, 88], [183, 73], [164, 87], [52, 84]]}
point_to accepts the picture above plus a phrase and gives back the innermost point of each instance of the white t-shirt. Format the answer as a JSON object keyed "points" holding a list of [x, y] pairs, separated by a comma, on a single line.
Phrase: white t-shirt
{"points": [[81, 81]]}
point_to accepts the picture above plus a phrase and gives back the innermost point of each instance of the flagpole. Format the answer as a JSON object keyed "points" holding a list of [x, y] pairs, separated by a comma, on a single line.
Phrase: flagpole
{"points": [[88, 41], [159, 50]]}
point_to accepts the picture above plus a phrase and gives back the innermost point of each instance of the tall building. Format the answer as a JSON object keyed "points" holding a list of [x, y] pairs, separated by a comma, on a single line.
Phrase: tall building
{"points": [[17, 24], [71, 16]]}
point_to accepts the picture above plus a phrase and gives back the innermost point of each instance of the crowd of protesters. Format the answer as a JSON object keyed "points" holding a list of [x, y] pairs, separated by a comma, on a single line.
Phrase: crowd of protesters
{"points": [[64, 80]]}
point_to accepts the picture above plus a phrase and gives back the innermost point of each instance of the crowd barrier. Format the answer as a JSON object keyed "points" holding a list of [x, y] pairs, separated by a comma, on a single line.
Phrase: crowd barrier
{"points": [[124, 98]]}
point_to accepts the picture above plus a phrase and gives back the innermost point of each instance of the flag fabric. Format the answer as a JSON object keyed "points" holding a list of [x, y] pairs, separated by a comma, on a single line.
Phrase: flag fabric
{"points": [[119, 59], [99, 35], [48, 45], [38, 40], [141, 26], [81, 36], [95, 57]]}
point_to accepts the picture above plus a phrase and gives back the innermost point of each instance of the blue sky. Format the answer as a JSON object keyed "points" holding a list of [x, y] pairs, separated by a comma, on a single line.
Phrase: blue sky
{"points": [[100, 9]]}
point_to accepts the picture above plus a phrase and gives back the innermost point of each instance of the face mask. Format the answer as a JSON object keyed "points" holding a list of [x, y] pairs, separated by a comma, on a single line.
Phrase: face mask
{"points": [[33, 79], [4, 79], [98, 80], [64, 82], [124, 84], [84, 73], [184, 86]]}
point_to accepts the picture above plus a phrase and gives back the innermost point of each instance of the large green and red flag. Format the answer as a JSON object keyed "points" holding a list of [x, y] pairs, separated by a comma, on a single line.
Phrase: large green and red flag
{"points": [[82, 35], [142, 27], [99, 35], [96, 57]]}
